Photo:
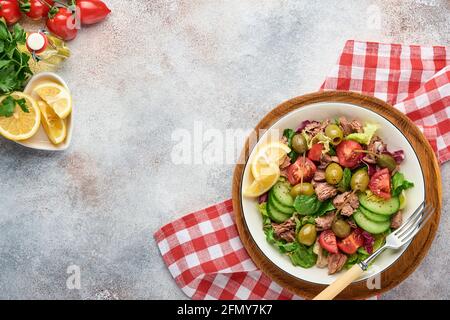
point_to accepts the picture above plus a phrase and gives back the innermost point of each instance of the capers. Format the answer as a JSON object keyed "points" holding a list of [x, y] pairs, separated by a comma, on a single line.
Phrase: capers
{"points": [[335, 133], [341, 228], [299, 144], [333, 173], [304, 188], [386, 161], [360, 180], [307, 234]]}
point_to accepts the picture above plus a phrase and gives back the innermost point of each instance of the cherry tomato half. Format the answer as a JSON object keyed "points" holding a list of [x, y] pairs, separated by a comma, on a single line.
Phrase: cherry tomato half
{"points": [[327, 240], [303, 167], [315, 153], [380, 183], [10, 10], [92, 11], [346, 153], [63, 25], [351, 243]]}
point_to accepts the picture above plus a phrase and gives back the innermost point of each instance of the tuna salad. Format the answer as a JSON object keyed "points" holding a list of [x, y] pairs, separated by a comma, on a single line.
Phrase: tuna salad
{"points": [[340, 192]]}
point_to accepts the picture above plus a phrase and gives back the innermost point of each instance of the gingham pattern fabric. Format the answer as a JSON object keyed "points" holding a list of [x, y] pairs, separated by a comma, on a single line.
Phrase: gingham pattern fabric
{"points": [[203, 251], [414, 79]]}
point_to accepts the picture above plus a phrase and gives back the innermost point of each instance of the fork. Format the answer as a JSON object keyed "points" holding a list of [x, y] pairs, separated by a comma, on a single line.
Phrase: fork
{"points": [[394, 240]]}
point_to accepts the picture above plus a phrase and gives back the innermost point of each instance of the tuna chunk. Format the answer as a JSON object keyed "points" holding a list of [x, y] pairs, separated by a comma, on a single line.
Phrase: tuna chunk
{"points": [[345, 126], [350, 127], [319, 175], [325, 222], [315, 127], [347, 203], [397, 220], [325, 160], [285, 230], [335, 262], [356, 126], [324, 190]]}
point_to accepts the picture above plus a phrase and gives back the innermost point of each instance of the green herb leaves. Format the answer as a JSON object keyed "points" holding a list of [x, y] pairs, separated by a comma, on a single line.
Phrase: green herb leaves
{"points": [[399, 183], [311, 206], [289, 133], [14, 69], [8, 106]]}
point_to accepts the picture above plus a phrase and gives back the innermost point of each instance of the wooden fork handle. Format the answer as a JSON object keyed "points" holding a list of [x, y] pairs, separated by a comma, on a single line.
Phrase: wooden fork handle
{"points": [[340, 283]]}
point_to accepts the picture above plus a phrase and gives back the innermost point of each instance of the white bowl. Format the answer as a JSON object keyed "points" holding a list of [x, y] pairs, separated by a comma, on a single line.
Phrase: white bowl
{"points": [[40, 140], [320, 111]]}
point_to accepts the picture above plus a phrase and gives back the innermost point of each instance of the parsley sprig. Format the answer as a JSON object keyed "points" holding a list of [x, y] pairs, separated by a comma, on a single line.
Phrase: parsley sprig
{"points": [[14, 68]]}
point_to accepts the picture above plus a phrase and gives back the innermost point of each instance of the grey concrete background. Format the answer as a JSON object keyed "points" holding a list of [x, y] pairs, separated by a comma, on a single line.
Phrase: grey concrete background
{"points": [[155, 66]]}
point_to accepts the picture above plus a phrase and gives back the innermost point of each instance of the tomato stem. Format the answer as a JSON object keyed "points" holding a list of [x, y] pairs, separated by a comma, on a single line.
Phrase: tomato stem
{"points": [[368, 152], [25, 5], [45, 2], [62, 4]]}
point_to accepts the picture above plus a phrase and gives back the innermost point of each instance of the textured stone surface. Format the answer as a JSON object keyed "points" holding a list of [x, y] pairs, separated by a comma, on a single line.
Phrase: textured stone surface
{"points": [[154, 66]]}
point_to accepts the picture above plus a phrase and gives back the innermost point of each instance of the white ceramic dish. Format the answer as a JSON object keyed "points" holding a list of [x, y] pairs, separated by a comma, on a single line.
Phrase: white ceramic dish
{"points": [[320, 111], [40, 140]]}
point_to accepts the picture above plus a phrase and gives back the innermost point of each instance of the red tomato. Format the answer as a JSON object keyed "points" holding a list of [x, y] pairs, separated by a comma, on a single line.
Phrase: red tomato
{"points": [[10, 10], [315, 153], [62, 24], [327, 240], [39, 9], [350, 244], [92, 11], [380, 183], [345, 152], [303, 167]]}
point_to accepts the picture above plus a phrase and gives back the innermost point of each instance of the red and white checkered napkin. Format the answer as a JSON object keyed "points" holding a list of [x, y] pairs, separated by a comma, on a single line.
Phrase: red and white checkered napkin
{"points": [[203, 251], [414, 79]]}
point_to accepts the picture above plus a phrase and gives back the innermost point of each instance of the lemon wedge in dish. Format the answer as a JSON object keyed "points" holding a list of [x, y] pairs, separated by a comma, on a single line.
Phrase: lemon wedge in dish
{"points": [[54, 126], [56, 96]]}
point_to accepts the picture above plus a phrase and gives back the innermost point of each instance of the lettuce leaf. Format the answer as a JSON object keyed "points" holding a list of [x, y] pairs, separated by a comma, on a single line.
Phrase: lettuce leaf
{"points": [[344, 184], [399, 183], [303, 256], [289, 133], [368, 131]]}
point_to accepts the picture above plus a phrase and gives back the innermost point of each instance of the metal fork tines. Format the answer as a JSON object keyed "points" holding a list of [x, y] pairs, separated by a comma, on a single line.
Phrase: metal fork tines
{"points": [[413, 225], [405, 233]]}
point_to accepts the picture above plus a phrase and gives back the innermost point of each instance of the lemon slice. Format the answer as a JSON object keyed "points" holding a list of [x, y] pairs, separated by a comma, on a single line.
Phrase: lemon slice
{"points": [[264, 182], [21, 125], [56, 97], [268, 154], [54, 126]]}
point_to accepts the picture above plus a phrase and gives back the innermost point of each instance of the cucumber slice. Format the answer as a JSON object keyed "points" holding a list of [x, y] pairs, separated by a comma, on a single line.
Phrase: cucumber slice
{"points": [[275, 215], [385, 207], [373, 216], [369, 225], [278, 206], [281, 192]]}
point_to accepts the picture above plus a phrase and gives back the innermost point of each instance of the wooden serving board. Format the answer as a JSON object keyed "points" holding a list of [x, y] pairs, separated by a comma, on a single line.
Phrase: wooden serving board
{"points": [[416, 251]]}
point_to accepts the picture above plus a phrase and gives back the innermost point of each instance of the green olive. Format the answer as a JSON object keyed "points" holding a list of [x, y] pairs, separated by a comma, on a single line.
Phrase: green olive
{"points": [[386, 161], [341, 228], [335, 133], [307, 234], [304, 188], [360, 180], [299, 144], [333, 173]]}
